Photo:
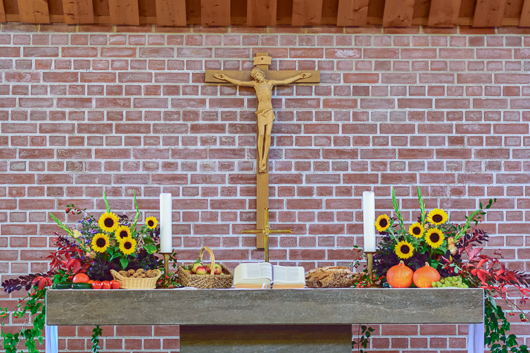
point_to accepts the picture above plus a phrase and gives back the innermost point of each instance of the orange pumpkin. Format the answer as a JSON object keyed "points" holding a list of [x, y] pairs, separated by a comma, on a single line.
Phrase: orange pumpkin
{"points": [[399, 276], [424, 276]]}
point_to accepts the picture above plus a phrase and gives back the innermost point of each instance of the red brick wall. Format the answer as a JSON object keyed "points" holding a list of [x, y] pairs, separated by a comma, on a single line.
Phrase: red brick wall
{"points": [[110, 109]]}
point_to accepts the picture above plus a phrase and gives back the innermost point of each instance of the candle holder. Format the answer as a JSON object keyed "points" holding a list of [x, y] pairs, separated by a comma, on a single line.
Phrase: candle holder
{"points": [[370, 267], [166, 263]]}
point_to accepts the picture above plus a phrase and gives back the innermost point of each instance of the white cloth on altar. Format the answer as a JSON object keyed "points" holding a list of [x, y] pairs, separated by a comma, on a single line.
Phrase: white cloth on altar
{"points": [[475, 341], [51, 339]]}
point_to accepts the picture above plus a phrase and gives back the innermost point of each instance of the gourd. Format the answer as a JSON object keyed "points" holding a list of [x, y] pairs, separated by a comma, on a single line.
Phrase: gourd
{"points": [[399, 276], [424, 276]]}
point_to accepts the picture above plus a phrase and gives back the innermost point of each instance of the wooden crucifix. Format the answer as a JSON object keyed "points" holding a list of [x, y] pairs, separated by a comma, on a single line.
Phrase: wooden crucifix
{"points": [[263, 82]]}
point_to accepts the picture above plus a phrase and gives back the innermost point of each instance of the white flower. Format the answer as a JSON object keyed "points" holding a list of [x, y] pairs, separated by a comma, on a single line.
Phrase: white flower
{"points": [[77, 233]]}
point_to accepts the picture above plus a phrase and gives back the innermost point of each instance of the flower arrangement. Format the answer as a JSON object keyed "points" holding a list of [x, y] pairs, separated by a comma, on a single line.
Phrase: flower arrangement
{"points": [[455, 252], [92, 248]]}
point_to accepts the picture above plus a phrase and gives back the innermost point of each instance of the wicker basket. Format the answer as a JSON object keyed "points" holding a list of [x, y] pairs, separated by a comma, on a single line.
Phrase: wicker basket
{"points": [[188, 279], [136, 283], [330, 277]]}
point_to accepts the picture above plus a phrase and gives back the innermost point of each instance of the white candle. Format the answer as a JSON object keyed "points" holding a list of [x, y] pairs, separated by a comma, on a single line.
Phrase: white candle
{"points": [[369, 221], [166, 242]]}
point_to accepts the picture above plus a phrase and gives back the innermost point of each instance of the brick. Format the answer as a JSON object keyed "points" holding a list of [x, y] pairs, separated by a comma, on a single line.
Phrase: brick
{"points": [[79, 52], [40, 52]]}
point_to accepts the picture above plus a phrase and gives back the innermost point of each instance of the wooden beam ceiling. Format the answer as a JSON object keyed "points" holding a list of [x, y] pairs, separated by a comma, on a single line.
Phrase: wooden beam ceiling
{"points": [[215, 12], [307, 12], [489, 13], [78, 11], [261, 12], [254, 13], [34, 11], [352, 13], [171, 13], [444, 13]]}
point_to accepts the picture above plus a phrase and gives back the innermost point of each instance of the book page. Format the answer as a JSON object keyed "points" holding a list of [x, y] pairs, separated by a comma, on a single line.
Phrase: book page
{"points": [[256, 273], [289, 274]]}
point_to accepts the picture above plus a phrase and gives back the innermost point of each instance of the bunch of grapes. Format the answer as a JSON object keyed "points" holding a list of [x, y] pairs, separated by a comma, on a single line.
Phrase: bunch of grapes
{"points": [[455, 281]]}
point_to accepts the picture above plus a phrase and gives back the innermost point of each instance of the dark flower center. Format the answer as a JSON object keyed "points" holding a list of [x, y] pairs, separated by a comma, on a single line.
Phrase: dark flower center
{"points": [[435, 237], [127, 245], [101, 242], [383, 222], [109, 222], [150, 223], [437, 218], [405, 249], [123, 234], [416, 231]]}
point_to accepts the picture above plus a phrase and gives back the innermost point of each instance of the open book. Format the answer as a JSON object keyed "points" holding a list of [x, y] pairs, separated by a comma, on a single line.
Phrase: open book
{"points": [[265, 275]]}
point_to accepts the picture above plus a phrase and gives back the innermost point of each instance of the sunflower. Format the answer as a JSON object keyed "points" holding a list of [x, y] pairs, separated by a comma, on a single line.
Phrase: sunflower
{"points": [[122, 233], [128, 246], [437, 217], [382, 223], [100, 242], [434, 237], [404, 249], [151, 222], [108, 222], [416, 230]]}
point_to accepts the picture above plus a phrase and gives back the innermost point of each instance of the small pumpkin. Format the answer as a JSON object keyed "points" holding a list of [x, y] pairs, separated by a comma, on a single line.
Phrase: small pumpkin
{"points": [[424, 276], [399, 276]]}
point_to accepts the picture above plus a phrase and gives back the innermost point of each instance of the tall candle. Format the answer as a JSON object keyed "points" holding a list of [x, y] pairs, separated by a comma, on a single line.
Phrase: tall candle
{"points": [[369, 221], [166, 242]]}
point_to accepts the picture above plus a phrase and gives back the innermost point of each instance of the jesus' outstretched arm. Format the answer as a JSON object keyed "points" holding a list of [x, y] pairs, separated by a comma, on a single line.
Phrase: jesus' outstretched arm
{"points": [[223, 77], [291, 79]]}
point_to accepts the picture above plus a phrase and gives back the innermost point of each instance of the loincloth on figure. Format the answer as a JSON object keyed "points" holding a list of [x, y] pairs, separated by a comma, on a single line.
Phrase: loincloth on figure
{"points": [[265, 116]]}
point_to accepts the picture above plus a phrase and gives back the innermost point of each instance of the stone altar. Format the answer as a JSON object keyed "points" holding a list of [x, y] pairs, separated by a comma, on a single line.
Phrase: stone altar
{"points": [[298, 320]]}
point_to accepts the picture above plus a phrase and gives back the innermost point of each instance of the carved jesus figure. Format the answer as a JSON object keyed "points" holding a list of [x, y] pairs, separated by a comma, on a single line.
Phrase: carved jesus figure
{"points": [[265, 114]]}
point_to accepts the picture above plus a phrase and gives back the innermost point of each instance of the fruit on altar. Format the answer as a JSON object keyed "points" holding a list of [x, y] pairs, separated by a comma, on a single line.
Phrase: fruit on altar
{"points": [[115, 284], [424, 276], [81, 278], [399, 276], [81, 285], [97, 285], [106, 285], [201, 270], [139, 273], [195, 266], [217, 269]]}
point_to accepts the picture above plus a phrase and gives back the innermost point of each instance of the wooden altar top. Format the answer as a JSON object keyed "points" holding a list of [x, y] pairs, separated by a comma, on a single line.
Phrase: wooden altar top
{"points": [[265, 307]]}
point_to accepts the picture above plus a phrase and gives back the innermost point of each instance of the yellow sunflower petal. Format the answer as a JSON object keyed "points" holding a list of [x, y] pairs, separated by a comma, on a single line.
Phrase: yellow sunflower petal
{"points": [[382, 223], [416, 230], [437, 217], [108, 222], [122, 233], [100, 242], [404, 249], [434, 237], [151, 222], [128, 246]]}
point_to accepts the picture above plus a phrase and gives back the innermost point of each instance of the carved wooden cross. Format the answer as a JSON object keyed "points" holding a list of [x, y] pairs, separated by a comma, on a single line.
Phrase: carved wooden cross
{"points": [[263, 82]]}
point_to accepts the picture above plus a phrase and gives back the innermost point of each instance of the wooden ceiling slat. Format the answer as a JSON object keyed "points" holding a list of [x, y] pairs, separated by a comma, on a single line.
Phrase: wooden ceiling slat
{"points": [[171, 13], [2, 13], [307, 12], [525, 15], [489, 13], [215, 12], [352, 13], [444, 13], [398, 13], [261, 12], [78, 11], [34, 11], [124, 12]]}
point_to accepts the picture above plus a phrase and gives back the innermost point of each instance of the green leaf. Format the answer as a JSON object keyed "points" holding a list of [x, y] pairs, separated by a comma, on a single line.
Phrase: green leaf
{"points": [[148, 240], [106, 201], [61, 225], [124, 262], [151, 249], [137, 216]]}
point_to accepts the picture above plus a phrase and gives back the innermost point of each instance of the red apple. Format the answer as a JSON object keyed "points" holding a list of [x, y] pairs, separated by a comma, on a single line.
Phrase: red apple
{"points": [[201, 270], [195, 266], [217, 270]]}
